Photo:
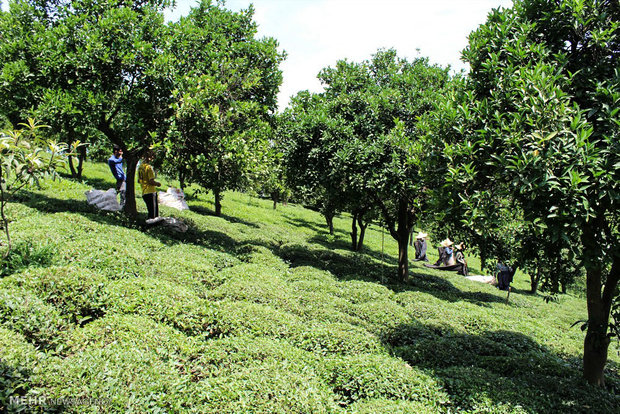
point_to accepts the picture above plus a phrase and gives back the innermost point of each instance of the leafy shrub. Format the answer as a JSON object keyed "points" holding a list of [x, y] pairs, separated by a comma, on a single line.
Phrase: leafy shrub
{"points": [[375, 406], [245, 374], [162, 301], [298, 254], [477, 390], [23, 312], [191, 265], [117, 255], [309, 274], [222, 356], [254, 283], [336, 338], [133, 363], [18, 360], [25, 254], [253, 319], [357, 291], [317, 304], [380, 316], [380, 377], [252, 253], [79, 294]]}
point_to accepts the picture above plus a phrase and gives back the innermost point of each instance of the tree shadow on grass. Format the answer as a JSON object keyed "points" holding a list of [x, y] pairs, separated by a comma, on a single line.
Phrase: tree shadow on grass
{"points": [[340, 244], [356, 266], [500, 368], [320, 230], [205, 238], [443, 289], [208, 212]]}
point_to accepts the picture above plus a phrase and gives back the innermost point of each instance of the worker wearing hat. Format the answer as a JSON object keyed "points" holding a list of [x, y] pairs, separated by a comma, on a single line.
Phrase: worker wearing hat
{"points": [[420, 247]]}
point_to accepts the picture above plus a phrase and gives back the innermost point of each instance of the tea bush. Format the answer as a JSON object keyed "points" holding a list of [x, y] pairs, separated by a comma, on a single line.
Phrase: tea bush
{"points": [[378, 376], [24, 312], [250, 374], [132, 363], [79, 294], [263, 311], [26, 254], [374, 406], [18, 361]]}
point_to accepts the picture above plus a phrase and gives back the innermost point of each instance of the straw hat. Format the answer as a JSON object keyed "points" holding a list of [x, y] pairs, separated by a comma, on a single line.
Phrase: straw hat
{"points": [[460, 246], [446, 243], [421, 235]]}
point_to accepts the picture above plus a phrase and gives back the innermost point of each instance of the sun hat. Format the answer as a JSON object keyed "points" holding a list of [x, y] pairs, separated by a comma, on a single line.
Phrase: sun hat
{"points": [[446, 243], [421, 235]]}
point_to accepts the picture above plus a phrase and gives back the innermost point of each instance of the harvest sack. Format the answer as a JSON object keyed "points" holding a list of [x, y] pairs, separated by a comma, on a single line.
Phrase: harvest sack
{"points": [[482, 279], [173, 197], [169, 222], [103, 200]]}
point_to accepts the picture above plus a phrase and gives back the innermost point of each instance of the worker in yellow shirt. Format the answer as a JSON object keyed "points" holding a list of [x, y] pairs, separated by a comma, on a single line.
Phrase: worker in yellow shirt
{"points": [[146, 178]]}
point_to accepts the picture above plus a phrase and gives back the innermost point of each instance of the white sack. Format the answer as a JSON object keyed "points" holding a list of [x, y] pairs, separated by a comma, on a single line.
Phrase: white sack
{"points": [[173, 197], [169, 222], [482, 279]]}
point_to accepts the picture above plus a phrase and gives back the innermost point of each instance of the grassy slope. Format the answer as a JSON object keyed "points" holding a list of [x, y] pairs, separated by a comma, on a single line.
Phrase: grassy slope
{"points": [[262, 311]]}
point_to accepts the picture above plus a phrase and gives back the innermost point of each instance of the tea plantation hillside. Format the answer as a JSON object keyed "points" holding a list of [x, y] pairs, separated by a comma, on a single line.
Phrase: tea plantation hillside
{"points": [[262, 311]]}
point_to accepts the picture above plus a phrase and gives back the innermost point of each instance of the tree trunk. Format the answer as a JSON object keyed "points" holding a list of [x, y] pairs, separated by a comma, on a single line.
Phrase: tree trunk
{"points": [[81, 158], [130, 201], [5, 220], [274, 197], [72, 167], [360, 241], [181, 179], [354, 232], [596, 342], [218, 202], [403, 259], [329, 218], [404, 228], [535, 278]]}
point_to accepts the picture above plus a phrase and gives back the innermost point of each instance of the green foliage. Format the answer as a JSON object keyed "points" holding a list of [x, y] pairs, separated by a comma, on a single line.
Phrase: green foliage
{"points": [[162, 301], [358, 146], [225, 84], [79, 294], [26, 254], [25, 158], [122, 357], [390, 406], [259, 374], [24, 312], [18, 361], [372, 376], [537, 114]]}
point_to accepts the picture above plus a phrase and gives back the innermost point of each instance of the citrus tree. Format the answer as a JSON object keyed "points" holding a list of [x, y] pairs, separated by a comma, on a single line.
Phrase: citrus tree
{"points": [[537, 126], [225, 85]]}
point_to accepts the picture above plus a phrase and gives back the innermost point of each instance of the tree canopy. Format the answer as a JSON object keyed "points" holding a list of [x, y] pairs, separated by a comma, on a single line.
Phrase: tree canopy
{"points": [[536, 127]]}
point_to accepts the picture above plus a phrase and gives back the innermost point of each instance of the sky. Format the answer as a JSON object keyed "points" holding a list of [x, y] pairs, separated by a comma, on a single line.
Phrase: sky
{"points": [[317, 33]]}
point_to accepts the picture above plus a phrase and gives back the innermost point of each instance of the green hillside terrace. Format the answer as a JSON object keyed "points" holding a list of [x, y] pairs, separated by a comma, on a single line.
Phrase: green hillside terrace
{"points": [[262, 311]]}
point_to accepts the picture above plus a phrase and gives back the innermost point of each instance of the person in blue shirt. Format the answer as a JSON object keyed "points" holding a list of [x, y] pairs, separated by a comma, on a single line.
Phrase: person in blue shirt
{"points": [[116, 166]]}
